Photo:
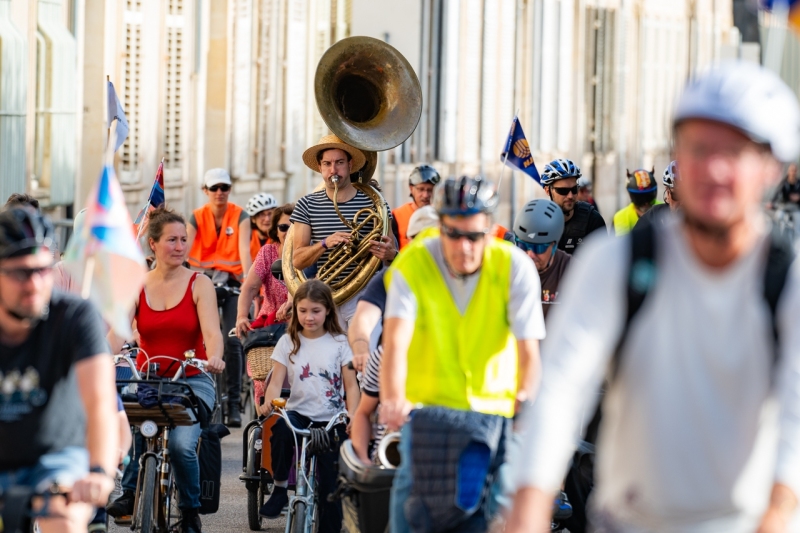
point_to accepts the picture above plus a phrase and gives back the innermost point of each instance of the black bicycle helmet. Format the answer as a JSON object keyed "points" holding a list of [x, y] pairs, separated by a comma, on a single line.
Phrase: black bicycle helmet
{"points": [[424, 174], [465, 196], [23, 231]]}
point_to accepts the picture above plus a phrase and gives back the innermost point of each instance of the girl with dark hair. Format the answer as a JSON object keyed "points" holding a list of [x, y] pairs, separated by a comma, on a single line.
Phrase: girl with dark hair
{"points": [[314, 354]]}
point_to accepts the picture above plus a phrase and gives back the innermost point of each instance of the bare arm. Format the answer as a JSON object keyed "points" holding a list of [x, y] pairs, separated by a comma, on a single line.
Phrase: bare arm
{"points": [[205, 299], [530, 369], [125, 436], [305, 254], [782, 505], [275, 384], [352, 392], [531, 511], [249, 290], [396, 340], [116, 342], [361, 428], [245, 233], [359, 332]]}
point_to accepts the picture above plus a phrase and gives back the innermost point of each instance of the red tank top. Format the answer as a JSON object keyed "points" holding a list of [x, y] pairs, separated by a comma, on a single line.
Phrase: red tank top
{"points": [[170, 332]]}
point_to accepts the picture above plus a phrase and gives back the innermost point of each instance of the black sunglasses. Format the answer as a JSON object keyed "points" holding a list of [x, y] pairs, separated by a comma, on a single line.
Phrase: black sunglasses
{"points": [[283, 227], [221, 187], [563, 191], [24, 274], [455, 234]]}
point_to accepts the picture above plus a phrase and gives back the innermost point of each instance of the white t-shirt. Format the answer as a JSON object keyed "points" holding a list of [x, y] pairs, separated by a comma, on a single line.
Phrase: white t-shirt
{"points": [[692, 438], [315, 374], [525, 293]]}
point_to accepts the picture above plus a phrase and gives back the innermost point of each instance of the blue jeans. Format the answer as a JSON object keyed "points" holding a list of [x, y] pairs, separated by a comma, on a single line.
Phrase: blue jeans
{"points": [[64, 467], [182, 451], [404, 479]]}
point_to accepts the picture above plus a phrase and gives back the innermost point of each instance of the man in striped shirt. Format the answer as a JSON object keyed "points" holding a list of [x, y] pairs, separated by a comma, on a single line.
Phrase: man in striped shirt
{"points": [[318, 228]]}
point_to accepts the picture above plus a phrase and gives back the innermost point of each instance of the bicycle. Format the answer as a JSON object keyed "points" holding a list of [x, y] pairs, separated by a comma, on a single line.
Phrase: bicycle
{"points": [[21, 506], [302, 513], [225, 291], [156, 497]]}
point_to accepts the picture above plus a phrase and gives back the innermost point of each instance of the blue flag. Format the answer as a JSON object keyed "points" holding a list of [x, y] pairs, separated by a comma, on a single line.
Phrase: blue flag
{"points": [[115, 111], [518, 151]]}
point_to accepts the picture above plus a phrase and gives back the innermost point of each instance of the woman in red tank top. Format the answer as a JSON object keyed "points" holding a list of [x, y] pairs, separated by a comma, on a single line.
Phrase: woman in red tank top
{"points": [[177, 311]]}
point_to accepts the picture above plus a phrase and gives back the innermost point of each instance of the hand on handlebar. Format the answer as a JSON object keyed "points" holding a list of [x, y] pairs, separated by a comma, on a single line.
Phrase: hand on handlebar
{"points": [[93, 489], [242, 327], [215, 365]]}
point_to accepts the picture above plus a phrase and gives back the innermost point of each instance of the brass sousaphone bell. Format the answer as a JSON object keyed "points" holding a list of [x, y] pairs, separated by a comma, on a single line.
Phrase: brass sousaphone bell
{"points": [[370, 97]]}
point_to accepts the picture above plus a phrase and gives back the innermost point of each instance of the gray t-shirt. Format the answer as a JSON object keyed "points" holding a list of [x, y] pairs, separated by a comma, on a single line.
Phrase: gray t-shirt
{"points": [[524, 304]]}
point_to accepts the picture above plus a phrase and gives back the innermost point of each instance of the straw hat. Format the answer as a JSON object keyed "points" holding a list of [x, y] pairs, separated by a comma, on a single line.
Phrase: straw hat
{"points": [[328, 142]]}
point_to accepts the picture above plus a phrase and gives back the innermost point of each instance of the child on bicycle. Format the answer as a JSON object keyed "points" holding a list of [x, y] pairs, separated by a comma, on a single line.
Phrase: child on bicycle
{"points": [[314, 354]]}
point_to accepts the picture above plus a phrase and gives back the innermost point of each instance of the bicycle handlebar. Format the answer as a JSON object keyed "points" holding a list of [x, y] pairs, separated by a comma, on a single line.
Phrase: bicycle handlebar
{"points": [[341, 416]]}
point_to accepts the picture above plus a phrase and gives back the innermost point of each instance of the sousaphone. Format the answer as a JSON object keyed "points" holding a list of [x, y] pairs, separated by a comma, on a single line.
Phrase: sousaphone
{"points": [[369, 96]]}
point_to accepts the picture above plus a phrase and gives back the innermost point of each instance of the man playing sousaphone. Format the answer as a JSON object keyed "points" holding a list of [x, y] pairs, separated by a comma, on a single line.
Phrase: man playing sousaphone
{"points": [[317, 226]]}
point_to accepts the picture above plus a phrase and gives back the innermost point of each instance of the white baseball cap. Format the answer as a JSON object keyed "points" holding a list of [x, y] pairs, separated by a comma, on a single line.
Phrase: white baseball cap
{"points": [[750, 98], [216, 176]]}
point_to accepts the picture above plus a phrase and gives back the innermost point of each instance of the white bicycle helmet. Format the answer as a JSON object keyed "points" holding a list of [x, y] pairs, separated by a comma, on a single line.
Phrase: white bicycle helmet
{"points": [[558, 169], [670, 175], [260, 202], [750, 98]]}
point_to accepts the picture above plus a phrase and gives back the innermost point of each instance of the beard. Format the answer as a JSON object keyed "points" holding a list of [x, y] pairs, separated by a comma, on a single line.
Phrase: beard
{"points": [[718, 232]]}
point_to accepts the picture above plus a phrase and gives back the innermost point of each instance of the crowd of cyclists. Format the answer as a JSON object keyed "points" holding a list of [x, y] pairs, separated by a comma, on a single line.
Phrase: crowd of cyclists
{"points": [[490, 350]]}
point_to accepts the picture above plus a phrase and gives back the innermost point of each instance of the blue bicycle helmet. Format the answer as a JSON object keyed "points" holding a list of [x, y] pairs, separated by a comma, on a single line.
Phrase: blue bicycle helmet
{"points": [[465, 196], [558, 169]]}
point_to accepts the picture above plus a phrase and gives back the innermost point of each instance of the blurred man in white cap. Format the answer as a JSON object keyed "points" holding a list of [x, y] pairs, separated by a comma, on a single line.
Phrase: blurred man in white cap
{"points": [[219, 235], [695, 321], [317, 227]]}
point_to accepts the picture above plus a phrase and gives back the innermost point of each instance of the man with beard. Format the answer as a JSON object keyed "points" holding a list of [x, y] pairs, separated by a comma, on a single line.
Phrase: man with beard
{"points": [[560, 181], [693, 322]]}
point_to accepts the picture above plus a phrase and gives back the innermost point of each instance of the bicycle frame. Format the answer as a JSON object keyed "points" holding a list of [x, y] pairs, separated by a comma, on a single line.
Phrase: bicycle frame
{"points": [[305, 490]]}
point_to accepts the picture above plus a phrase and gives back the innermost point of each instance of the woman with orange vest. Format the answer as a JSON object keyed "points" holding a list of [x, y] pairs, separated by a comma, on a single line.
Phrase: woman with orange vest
{"points": [[259, 208], [219, 241], [420, 184]]}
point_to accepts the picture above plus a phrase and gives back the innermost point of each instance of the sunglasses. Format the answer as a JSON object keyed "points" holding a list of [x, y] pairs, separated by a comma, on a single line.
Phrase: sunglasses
{"points": [[538, 248], [283, 227], [455, 234], [223, 188], [24, 274], [563, 191]]}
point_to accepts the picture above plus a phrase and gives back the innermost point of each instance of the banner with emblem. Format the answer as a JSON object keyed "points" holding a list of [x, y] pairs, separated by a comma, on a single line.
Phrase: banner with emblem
{"points": [[517, 152]]}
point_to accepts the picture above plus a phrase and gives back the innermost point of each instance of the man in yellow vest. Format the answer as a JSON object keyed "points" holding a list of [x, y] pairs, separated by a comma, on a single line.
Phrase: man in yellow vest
{"points": [[461, 354], [643, 191], [219, 243], [420, 184]]}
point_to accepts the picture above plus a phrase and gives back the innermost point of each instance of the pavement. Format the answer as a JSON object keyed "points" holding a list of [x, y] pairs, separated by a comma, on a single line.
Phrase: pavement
{"points": [[232, 514]]}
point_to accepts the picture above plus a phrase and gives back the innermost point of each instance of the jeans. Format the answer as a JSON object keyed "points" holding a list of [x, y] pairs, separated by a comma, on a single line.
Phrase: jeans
{"points": [[282, 441], [234, 353], [65, 467], [404, 480], [182, 451]]}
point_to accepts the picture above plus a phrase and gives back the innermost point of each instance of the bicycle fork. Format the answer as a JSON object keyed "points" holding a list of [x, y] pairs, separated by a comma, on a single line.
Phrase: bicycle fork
{"points": [[164, 475]]}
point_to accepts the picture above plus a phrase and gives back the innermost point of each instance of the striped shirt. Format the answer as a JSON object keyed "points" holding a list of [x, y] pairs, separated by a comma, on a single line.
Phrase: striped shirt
{"points": [[370, 385], [316, 210]]}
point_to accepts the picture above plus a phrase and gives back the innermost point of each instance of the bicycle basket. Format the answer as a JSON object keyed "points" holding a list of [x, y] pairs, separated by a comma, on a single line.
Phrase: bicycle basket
{"points": [[258, 348]]}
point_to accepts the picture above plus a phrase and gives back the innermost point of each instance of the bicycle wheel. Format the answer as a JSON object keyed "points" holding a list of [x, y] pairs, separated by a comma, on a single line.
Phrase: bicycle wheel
{"points": [[299, 518], [147, 498], [171, 510], [255, 496]]}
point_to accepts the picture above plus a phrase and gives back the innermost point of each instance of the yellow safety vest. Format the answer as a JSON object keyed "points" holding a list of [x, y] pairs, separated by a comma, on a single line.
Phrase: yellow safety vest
{"points": [[626, 218], [464, 362]]}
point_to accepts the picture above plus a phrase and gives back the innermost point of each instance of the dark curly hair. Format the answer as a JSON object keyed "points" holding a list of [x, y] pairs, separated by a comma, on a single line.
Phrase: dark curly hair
{"points": [[277, 213]]}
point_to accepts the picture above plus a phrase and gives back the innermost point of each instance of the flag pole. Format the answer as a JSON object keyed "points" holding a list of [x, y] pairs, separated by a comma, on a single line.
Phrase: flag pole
{"points": [[779, 22], [108, 130], [505, 159]]}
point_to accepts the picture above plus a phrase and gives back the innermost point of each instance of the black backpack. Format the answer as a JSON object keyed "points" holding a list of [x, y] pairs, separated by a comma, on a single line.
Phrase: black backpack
{"points": [[642, 277]]}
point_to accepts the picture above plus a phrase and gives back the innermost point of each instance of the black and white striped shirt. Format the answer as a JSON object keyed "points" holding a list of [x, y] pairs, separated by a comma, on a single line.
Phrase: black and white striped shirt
{"points": [[317, 211]]}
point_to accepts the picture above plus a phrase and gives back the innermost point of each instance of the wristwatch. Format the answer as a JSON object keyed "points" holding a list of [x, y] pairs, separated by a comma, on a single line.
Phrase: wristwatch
{"points": [[98, 470]]}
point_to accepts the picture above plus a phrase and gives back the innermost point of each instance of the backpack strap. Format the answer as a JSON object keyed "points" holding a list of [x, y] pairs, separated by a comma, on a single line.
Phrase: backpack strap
{"points": [[641, 279], [779, 262]]}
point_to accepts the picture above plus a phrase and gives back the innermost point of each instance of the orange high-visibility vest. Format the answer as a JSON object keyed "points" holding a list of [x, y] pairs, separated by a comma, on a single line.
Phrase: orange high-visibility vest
{"points": [[500, 232], [255, 244], [210, 252], [402, 215]]}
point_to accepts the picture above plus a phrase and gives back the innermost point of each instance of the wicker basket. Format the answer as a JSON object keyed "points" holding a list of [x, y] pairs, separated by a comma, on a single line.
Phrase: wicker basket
{"points": [[260, 361]]}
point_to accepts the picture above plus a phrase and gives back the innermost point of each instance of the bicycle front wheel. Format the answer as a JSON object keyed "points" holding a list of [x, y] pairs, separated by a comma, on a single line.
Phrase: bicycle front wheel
{"points": [[299, 518], [147, 497]]}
